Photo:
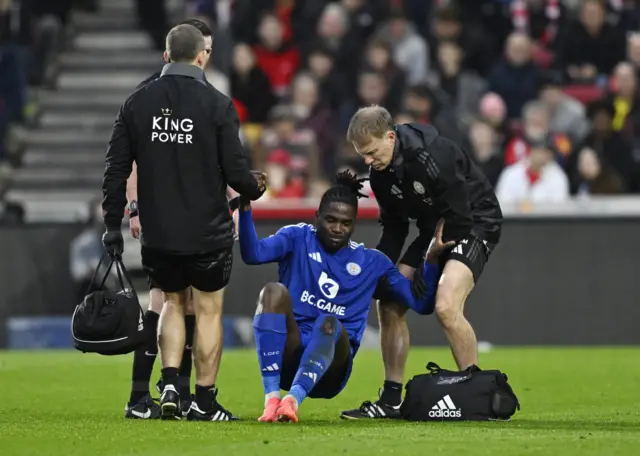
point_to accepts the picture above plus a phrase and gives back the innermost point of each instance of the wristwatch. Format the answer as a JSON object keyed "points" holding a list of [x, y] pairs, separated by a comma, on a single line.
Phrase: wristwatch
{"points": [[133, 209]]}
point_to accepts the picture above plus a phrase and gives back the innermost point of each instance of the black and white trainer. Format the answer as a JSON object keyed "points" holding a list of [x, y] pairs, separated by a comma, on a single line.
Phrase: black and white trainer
{"points": [[372, 410], [217, 412], [185, 404], [170, 403], [145, 409]]}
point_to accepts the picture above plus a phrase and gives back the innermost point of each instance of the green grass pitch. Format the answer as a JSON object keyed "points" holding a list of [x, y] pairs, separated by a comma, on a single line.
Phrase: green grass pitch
{"points": [[575, 401]]}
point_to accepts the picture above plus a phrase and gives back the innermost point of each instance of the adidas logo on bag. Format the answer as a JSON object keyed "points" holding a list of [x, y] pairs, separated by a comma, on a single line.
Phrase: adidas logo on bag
{"points": [[445, 408]]}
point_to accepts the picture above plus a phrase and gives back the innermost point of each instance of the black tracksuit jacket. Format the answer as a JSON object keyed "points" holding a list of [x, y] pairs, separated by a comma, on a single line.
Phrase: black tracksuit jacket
{"points": [[432, 177], [183, 136]]}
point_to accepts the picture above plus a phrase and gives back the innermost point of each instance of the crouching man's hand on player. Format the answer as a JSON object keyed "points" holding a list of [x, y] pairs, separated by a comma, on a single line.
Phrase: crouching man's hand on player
{"points": [[437, 247], [113, 242]]}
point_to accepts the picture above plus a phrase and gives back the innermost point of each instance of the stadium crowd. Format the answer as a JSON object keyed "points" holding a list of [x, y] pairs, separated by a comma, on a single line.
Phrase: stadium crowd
{"points": [[543, 93]]}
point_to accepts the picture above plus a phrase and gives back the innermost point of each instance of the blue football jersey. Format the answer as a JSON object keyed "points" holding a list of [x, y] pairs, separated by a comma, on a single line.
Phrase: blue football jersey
{"points": [[341, 283]]}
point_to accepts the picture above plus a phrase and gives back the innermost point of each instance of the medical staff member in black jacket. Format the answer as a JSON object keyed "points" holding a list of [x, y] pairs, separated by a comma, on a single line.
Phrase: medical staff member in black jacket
{"points": [[417, 174], [183, 136], [140, 404]]}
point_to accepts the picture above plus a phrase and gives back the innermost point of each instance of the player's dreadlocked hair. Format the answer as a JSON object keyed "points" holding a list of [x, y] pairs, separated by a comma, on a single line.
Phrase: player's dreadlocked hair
{"points": [[345, 190]]}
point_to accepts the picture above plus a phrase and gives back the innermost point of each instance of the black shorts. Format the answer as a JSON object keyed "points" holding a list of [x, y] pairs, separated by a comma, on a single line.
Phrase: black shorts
{"points": [[171, 273], [415, 252], [152, 283], [471, 251]]}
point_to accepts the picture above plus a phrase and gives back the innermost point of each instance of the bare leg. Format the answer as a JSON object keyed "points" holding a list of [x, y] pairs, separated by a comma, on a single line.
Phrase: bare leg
{"points": [[171, 332], [454, 288], [208, 335], [394, 334]]}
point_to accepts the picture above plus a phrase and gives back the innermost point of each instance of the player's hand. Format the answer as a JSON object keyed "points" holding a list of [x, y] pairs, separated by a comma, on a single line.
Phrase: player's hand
{"points": [[113, 242], [134, 227], [437, 247], [261, 179]]}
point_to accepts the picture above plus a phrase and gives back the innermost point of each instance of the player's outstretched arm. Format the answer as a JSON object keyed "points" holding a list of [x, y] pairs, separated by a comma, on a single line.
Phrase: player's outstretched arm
{"points": [[420, 295], [267, 250], [400, 287]]}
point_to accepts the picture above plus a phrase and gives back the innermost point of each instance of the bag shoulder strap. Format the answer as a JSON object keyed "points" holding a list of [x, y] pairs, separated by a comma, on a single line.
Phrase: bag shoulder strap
{"points": [[92, 285], [122, 271]]}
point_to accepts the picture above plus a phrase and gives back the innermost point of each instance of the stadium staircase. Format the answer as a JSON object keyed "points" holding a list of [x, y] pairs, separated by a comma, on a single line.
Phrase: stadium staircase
{"points": [[63, 165]]}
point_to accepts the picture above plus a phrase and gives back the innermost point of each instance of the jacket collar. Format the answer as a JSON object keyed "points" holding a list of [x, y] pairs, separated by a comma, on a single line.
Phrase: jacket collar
{"points": [[182, 69]]}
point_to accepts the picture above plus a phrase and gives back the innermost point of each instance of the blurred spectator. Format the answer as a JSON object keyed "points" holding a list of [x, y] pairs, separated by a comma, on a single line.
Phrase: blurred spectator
{"points": [[285, 175], [219, 21], [485, 149], [516, 77], [410, 51], [463, 88], [629, 11], [282, 133], [217, 79], [626, 101], [591, 47], [633, 51], [332, 83], [544, 21], [593, 176], [372, 89], [334, 33], [278, 59], [304, 19], [477, 43], [13, 83], [250, 85], [314, 114], [152, 17], [610, 145], [11, 213], [493, 111], [538, 179], [422, 103], [567, 114], [363, 17], [85, 252], [245, 16], [536, 128], [377, 58]]}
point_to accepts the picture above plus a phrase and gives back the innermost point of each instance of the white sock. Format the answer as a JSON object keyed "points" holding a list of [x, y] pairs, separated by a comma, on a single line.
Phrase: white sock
{"points": [[271, 395]]}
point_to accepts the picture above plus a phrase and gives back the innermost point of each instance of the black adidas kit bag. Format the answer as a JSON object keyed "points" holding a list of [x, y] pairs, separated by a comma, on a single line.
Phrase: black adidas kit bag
{"points": [[108, 322], [468, 395]]}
